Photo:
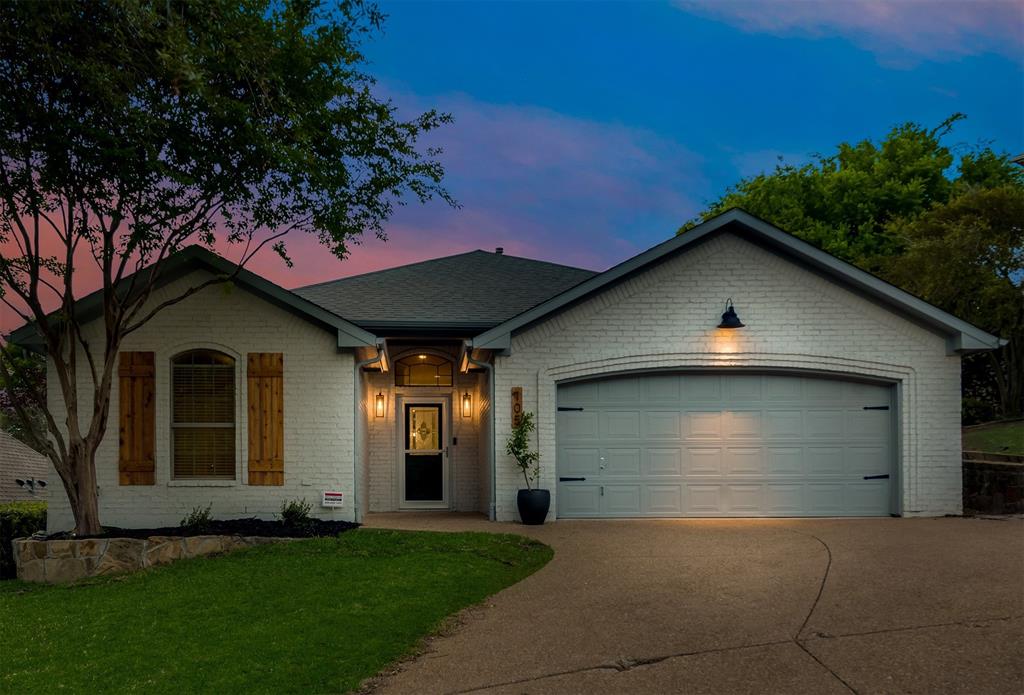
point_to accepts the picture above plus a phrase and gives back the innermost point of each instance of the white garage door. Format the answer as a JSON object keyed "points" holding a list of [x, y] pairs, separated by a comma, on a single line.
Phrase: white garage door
{"points": [[719, 444]]}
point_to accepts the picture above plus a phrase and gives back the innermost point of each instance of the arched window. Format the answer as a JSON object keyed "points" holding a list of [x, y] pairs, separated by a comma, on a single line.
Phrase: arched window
{"points": [[423, 370], [203, 415]]}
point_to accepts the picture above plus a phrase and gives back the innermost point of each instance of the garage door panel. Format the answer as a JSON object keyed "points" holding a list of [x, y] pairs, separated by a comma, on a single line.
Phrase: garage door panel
{"points": [[825, 498], [698, 388], [783, 424], [867, 460], [867, 424], [576, 461], [580, 392], [622, 462], [745, 499], [783, 390], [621, 424], [621, 500], [620, 390], [725, 445], [704, 461], [743, 389], [867, 496], [578, 425], [704, 500], [663, 388], [703, 425], [662, 424], [824, 424], [742, 424], [664, 462], [820, 390], [788, 461], [784, 498], [579, 499], [743, 461], [824, 460], [664, 500]]}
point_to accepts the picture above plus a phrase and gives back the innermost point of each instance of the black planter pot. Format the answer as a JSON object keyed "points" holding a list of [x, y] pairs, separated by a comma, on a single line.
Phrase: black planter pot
{"points": [[533, 506]]}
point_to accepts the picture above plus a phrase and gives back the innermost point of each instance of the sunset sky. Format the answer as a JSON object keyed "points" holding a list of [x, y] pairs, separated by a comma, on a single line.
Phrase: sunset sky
{"points": [[585, 133]]}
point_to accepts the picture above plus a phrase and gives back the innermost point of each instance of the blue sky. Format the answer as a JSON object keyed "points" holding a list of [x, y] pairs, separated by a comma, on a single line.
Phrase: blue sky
{"points": [[586, 132]]}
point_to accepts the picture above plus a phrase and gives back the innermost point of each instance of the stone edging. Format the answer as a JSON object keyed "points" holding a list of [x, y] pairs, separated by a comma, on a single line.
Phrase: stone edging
{"points": [[55, 562]]}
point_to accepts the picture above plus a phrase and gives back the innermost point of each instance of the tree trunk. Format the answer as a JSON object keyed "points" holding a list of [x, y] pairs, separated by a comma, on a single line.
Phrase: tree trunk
{"points": [[83, 498]]}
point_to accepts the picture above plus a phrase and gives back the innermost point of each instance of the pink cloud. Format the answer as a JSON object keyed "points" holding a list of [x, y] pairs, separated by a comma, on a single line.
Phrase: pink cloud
{"points": [[896, 30]]}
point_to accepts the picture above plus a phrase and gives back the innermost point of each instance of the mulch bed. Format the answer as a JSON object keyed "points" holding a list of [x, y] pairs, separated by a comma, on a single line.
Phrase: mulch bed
{"points": [[227, 527]]}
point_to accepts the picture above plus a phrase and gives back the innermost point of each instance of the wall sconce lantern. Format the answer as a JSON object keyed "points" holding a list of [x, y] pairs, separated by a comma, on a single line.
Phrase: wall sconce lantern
{"points": [[467, 405], [729, 318], [378, 408]]}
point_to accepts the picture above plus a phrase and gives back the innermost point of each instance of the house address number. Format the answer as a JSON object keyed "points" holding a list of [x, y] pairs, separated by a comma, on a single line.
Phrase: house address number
{"points": [[517, 405]]}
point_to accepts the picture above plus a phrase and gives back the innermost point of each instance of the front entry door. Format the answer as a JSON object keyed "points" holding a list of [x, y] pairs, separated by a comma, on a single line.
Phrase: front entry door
{"points": [[424, 479]]}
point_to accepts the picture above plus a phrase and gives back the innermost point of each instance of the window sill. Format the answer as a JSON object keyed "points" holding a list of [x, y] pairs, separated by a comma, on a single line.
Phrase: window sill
{"points": [[202, 483]]}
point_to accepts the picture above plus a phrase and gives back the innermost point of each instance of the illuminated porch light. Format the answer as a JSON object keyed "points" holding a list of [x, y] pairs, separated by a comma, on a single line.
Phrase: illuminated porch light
{"points": [[378, 409], [467, 405]]}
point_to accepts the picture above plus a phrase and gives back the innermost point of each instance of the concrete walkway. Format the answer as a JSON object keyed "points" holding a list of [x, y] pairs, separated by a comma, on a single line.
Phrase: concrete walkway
{"points": [[741, 606]]}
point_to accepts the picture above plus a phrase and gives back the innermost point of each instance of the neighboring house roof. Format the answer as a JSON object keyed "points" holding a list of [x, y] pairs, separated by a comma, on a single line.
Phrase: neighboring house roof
{"points": [[194, 258], [1019, 159], [963, 336], [19, 461], [471, 291]]}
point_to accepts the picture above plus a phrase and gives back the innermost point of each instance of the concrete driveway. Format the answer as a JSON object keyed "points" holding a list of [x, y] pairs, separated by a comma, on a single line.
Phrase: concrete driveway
{"points": [[742, 606]]}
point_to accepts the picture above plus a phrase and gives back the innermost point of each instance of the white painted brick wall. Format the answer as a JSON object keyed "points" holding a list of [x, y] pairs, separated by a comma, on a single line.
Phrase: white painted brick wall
{"points": [[666, 318], [318, 418]]}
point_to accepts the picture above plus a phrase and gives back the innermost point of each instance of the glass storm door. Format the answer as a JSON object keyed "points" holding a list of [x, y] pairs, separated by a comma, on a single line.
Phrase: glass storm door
{"points": [[424, 453]]}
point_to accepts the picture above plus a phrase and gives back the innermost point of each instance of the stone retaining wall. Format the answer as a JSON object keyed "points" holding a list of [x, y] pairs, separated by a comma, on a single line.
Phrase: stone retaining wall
{"points": [[993, 487], [54, 562]]}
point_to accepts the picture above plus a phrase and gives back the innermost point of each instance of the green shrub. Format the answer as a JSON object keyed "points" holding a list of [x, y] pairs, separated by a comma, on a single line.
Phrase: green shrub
{"points": [[295, 514], [17, 520], [198, 520]]}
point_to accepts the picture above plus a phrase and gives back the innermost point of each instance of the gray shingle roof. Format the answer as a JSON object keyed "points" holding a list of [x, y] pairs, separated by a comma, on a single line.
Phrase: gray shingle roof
{"points": [[19, 461], [474, 290]]}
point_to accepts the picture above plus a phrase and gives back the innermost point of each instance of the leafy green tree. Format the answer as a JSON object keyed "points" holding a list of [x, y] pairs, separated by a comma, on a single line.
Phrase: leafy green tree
{"points": [[129, 129], [18, 404], [843, 202], [967, 256]]}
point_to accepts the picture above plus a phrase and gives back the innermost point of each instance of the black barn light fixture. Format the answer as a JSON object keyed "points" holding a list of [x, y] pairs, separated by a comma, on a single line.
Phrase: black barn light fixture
{"points": [[729, 318]]}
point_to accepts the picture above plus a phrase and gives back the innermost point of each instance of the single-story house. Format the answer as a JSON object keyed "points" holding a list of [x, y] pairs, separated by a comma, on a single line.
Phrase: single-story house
{"points": [[18, 461], [833, 393]]}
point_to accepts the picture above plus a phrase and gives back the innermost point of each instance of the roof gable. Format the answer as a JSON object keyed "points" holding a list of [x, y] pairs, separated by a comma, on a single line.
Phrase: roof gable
{"points": [[194, 258], [471, 291], [962, 336]]}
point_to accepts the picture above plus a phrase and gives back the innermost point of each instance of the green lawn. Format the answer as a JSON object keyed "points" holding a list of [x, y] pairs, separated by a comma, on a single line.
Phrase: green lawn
{"points": [[311, 616], [1004, 438]]}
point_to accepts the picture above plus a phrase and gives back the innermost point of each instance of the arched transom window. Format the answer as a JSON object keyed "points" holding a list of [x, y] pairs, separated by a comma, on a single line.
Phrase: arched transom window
{"points": [[423, 370], [203, 415]]}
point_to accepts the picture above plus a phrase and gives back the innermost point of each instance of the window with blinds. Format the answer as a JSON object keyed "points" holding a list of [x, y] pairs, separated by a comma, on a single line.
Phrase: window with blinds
{"points": [[203, 416]]}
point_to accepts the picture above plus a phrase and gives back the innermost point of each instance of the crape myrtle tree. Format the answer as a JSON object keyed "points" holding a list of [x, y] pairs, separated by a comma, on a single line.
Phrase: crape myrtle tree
{"points": [[130, 129], [950, 231]]}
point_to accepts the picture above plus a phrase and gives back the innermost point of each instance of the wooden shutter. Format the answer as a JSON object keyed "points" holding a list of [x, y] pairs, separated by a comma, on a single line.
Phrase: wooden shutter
{"points": [[266, 418], [136, 464]]}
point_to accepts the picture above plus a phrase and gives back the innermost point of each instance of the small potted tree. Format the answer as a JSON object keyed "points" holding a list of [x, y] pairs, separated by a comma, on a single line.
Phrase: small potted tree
{"points": [[533, 503]]}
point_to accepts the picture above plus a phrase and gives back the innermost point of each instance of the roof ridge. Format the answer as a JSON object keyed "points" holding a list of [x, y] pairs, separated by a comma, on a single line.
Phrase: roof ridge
{"points": [[385, 270], [441, 258]]}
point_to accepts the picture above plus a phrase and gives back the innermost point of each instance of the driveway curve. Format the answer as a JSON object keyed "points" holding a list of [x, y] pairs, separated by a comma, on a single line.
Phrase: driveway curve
{"points": [[709, 606]]}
